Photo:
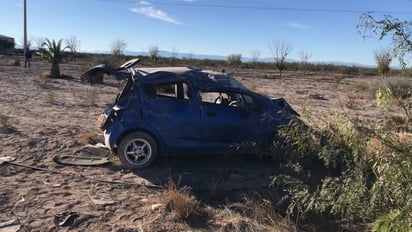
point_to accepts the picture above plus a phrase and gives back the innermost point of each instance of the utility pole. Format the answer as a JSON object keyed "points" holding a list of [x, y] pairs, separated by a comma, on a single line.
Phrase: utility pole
{"points": [[25, 28]]}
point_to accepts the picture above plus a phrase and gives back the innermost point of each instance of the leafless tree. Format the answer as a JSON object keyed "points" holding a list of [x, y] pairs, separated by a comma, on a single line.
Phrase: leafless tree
{"points": [[175, 53], [118, 47], [304, 60], [383, 58], [73, 44], [255, 54], [154, 53], [280, 51], [39, 42]]}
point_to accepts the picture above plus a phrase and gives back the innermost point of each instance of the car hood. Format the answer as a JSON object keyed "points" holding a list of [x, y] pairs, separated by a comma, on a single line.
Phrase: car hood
{"points": [[283, 104]]}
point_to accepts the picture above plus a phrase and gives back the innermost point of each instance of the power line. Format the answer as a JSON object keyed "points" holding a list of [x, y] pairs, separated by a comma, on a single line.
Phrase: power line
{"points": [[191, 4]]}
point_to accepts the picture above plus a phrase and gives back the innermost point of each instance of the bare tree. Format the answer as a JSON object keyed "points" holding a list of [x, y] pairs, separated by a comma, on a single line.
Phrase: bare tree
{"points": [[73, 44], [280, 51], [304, 60], [39, 42], [118, 47], [383, 58], [255, 54], [154, 53], [175, 53]]}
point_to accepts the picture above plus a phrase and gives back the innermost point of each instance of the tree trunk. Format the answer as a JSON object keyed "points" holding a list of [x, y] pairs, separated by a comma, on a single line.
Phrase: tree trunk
{"points": [[55, 71]]}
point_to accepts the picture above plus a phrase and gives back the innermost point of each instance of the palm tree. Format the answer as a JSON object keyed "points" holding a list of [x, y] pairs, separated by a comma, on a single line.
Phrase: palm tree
{"points": [[53, 52]]}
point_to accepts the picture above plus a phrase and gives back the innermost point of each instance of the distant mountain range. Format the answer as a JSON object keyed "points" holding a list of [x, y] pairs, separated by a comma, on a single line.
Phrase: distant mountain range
{"points": [[163, 53]]}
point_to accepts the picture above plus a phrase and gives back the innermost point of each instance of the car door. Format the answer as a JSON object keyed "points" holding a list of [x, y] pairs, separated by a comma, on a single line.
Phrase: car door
{"points": [[229, 120], [175, 116]]}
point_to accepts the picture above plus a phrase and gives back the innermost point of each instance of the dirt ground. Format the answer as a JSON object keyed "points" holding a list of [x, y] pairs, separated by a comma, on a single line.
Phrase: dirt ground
{"points": [[48, 117]]}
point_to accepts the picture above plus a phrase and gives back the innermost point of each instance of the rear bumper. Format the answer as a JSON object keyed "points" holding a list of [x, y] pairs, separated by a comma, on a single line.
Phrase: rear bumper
{"points": [[107, 140]]}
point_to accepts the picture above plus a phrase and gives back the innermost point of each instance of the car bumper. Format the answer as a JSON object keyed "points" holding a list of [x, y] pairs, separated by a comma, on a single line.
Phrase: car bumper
{"points": [[107, 140]]}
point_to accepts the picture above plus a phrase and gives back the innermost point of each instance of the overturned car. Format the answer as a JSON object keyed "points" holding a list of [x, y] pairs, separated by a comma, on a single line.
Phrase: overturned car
{"points": [[181, 110]]}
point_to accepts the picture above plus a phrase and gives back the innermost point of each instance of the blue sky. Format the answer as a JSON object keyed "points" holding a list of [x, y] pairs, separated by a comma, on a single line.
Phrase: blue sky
{"points": [[324, 28]]}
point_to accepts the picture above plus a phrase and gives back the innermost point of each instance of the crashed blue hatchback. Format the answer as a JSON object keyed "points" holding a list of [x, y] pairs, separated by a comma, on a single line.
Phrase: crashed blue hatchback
{"points": [[181, 110]]}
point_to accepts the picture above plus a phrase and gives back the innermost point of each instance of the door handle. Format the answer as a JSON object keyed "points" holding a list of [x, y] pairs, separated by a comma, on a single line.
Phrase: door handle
{"points": [[211, 114]]}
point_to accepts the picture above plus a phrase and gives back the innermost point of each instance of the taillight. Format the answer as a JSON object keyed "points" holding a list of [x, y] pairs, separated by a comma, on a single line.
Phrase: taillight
{"points": [[101, 120]]}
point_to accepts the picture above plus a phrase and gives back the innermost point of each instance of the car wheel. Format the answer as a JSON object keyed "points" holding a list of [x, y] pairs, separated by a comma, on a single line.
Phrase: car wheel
{"points": [[137, 150]]}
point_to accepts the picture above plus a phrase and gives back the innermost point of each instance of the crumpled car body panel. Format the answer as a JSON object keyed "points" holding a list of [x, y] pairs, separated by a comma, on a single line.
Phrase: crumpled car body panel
{"points": [[191, 111]]}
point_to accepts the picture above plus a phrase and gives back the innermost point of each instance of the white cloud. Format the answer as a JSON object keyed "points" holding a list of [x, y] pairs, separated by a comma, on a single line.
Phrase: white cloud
{"points": [[145, 8], [144, 3], [297, 25]]}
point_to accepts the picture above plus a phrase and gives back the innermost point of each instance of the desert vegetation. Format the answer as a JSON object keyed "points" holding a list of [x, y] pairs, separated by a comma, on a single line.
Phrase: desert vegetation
{"points": [[343, 171], [53, 52], [348, 168]]}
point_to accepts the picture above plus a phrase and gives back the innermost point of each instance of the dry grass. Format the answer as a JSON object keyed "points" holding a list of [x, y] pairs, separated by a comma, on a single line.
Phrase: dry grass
{"points": [[45, 74], [89, 137], [253, 215], [5, 122], [91, 96], [358, 86], [50, 97], [43, 83], [180, 201]]}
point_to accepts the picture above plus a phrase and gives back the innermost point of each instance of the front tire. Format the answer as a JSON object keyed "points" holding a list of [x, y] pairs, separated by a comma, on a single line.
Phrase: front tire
{"points": [[137, 150]]}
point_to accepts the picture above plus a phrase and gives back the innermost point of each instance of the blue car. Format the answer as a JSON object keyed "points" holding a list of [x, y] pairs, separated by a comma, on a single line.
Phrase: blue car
{"points": [[181, 110]]}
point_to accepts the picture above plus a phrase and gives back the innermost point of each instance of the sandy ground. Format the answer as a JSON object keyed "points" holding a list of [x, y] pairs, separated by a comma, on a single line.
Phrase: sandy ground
{"points": [[45, 118]]}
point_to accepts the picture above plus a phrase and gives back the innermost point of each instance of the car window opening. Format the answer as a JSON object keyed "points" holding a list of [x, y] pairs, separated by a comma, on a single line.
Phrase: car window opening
{"points": [[231, 99], [173, 90]]}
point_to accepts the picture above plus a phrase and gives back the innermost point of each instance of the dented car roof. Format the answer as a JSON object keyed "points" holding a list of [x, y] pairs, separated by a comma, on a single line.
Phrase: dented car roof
{"points": [[205, 79]]}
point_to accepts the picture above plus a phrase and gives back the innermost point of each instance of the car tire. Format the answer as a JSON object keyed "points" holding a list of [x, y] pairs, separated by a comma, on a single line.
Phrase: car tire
{"points": [[137, 150]]}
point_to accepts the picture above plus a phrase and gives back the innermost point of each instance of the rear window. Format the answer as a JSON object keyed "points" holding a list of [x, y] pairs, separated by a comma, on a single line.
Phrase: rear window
{"points": [[178, 90], [166, 90]]}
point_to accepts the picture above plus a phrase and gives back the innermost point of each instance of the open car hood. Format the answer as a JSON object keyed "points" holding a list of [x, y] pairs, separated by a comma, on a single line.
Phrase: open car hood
{"points": [[282, 103], [116, 72]]}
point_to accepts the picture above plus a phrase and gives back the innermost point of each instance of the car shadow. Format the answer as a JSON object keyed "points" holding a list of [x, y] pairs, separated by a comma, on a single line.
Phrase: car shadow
{"points": [[212, 178]]}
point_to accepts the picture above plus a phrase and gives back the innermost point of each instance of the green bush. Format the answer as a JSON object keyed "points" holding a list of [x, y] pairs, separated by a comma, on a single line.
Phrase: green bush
{"points": [[234, 59], [363, 174]]}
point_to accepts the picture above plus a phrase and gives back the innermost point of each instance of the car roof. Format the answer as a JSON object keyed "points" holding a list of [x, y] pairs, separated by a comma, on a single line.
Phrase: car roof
{"points": [[148, 71], [205, 79]]}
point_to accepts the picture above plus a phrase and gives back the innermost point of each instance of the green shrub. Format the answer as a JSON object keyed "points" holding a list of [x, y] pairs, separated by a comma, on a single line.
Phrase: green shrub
{"points": [[395, 92], [392, 221], [364, 173], [234, 59]]}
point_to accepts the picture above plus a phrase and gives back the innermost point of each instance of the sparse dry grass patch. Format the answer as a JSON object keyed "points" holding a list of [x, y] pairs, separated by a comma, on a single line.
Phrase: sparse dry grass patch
{"points": [[45, 74], [180, 201], [5, 123], [89, 137], [253, 215], [50, 97], [91, 96], [358, 86], [43, 83], [216, 189]]}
